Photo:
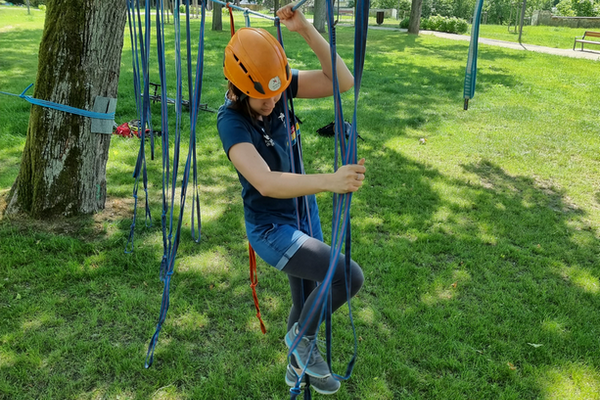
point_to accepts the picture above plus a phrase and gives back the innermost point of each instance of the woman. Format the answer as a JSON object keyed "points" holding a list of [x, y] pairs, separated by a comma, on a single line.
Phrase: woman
{"points": [[252, 128]]}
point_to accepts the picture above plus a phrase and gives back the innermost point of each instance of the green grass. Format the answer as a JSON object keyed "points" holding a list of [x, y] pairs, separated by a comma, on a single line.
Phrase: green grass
{"points": [[559, 37], [480, 249]]}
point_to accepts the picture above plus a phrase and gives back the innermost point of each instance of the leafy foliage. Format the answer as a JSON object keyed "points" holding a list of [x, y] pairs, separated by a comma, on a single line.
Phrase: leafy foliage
{"points": [[585, 8], [404, 23], [32, 3], [402, 5], [445, 24], [448, 8], [565, 9]]}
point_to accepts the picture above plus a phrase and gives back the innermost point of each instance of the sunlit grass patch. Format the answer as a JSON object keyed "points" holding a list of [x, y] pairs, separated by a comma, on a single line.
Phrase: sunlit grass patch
{"points": [[479, 245], [571, 381]]}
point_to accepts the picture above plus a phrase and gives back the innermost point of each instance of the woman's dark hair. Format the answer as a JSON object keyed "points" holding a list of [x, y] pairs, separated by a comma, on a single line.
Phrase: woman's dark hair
{"points": [[240, 102]]}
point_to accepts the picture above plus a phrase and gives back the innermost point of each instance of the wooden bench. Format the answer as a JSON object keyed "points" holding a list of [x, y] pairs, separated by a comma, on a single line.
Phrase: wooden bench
{"points": [[584, 39], [349, 12]]}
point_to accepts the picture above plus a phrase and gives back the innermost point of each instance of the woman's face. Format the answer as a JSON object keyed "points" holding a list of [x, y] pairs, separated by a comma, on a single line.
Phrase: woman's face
{"points": [[263, 107]]}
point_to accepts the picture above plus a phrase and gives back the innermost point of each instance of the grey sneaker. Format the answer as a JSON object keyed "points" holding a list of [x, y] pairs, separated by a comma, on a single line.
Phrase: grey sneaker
{"points": [[327, 385], [307, 352]]}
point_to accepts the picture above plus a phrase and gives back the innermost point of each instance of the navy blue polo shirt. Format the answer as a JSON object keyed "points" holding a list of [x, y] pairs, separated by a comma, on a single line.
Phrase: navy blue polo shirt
{"points": [[236, 128]]}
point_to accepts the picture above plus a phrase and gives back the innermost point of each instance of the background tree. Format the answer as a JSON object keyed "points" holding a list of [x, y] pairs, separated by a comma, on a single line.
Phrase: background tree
{"points": [[585, 8], [415, 17], [217, 14], [63, 167], [320, 15], [499, 11]]}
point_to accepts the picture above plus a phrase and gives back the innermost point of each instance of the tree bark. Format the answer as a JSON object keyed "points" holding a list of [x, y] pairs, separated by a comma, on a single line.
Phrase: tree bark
{"points": [[217, 20], [63, 167], [415, 17], [320, 15], [196, 9]]}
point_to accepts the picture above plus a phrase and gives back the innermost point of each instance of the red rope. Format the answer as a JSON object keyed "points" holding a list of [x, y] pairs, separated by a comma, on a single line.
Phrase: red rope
{"points": [[253, 283], [251, 253], [231, 19]]}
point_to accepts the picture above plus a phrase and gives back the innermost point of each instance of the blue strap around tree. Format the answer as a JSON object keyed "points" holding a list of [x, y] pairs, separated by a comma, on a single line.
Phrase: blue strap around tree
{"points": [[61, 107]]}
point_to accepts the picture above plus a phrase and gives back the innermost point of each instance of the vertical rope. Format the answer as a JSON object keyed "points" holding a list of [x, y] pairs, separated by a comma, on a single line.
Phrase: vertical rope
{"points": [[172, 242], [253, 283], [231, 23], [471, 70]]}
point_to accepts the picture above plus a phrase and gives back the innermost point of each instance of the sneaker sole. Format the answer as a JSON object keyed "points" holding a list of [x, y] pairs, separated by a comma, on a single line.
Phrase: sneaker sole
{"points": [[303, 386]]}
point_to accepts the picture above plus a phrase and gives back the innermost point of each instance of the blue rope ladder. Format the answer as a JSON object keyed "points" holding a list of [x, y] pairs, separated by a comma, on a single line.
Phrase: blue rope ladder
{"points": [[341, 228], [140, 37], [471, 70], [345, 152]]}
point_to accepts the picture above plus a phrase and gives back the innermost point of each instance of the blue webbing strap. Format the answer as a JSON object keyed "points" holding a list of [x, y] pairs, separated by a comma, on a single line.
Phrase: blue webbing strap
{"points": [[295, 155], [165, 267], [287, 96], [134, 56], [471, 70], [341, 202], [195, 108], [143, 109], [195, 212], [173, 245], [61, 107], [164, 137]]}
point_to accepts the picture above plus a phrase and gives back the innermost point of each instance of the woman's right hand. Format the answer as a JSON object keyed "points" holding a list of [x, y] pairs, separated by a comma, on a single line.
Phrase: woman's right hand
{"points": [[294, 20], [349, 178]]}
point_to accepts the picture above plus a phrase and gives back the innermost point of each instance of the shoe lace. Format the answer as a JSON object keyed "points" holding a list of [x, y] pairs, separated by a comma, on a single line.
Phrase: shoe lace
{"points": [[317, 346]]}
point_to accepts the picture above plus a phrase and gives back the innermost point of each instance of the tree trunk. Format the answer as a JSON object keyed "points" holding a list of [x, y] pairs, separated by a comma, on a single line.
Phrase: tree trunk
{"points": [[320, 15], [217, 21], [415, 17], [196, 9], [63, 167]]}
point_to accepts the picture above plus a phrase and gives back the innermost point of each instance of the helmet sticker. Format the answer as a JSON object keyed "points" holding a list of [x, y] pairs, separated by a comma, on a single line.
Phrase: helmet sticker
{"points": [[274, 84]]}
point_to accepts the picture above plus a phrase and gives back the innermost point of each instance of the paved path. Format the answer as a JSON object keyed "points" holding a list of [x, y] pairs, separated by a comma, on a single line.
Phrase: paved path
{"points": [[590, 55]]}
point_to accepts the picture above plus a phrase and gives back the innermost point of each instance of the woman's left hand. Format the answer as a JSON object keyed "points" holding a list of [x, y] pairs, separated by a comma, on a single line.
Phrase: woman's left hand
{"points": [[293, 20]]}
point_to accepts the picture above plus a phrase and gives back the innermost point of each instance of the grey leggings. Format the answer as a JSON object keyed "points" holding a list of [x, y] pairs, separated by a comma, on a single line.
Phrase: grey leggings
{"points": [[309, 265]]}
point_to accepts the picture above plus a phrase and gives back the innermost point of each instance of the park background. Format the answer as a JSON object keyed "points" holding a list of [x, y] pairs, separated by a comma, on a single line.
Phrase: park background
{"points": [[480, 247]]}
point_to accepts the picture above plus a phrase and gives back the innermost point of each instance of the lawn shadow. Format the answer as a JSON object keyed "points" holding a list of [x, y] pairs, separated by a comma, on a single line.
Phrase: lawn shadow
{"points": [[462, 284], [462, 277]]}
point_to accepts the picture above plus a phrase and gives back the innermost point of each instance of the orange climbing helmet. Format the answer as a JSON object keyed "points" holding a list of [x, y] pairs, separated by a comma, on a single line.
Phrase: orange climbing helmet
{"points": [[256, 63]]}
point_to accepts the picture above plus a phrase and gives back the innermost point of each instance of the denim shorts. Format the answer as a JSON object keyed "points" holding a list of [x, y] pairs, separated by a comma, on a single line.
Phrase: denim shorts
{"points": [[277, 243]]}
